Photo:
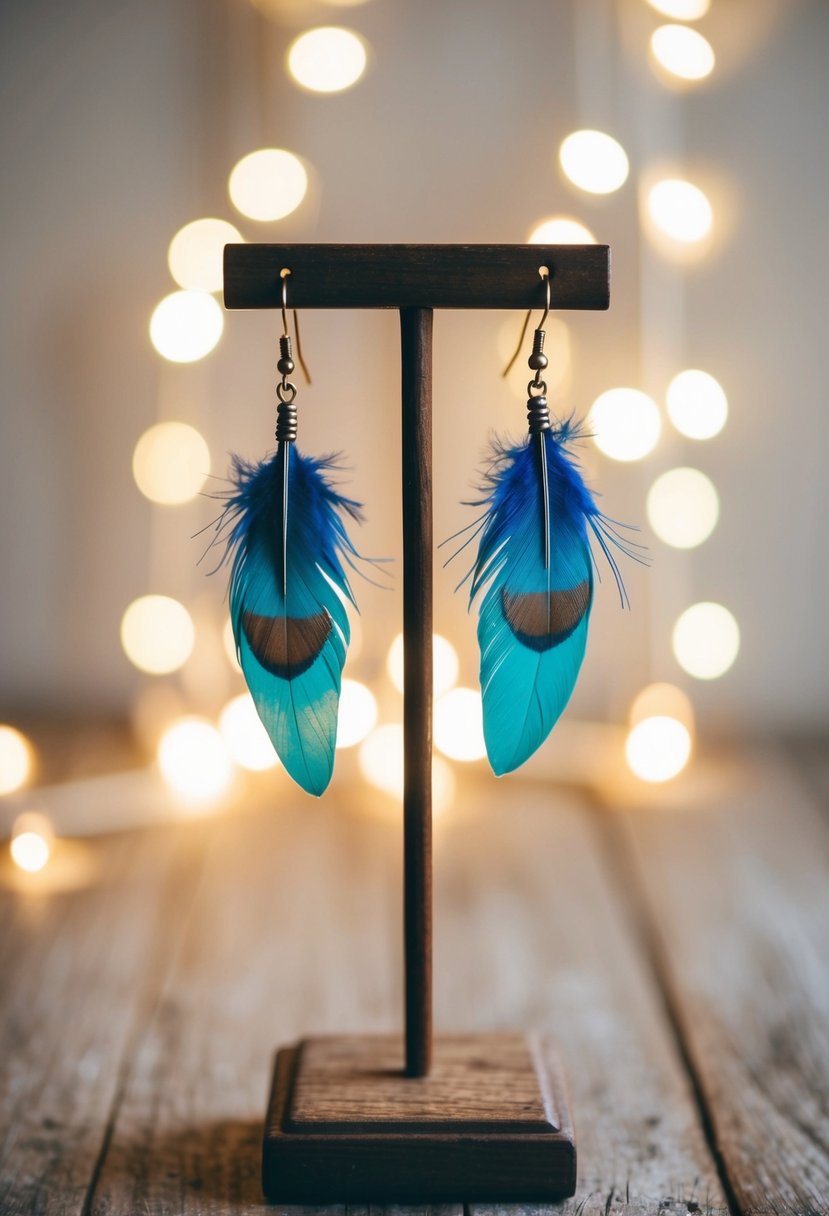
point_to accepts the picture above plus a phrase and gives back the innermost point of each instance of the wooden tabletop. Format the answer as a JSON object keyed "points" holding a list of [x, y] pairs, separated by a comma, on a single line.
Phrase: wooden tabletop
{"points": [[678, 952]]}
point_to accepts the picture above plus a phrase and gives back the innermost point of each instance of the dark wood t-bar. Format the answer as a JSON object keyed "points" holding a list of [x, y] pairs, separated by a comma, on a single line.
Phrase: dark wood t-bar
{"points": [[416, 276]]}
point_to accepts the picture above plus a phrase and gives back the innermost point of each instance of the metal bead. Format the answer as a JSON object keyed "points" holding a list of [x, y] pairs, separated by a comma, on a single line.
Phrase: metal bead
{"points": [[538, 415], [537, 361], [285, 366], [286, 422]]}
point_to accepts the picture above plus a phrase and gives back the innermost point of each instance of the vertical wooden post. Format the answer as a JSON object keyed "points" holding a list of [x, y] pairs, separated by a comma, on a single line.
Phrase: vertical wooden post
{"points": [[416, 365]]}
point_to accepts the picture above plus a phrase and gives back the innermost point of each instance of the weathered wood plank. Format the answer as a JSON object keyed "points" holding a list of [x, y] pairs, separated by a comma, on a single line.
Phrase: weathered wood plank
{"points": [[531, 934], [85, 949], [737, 885], [297, 929]]}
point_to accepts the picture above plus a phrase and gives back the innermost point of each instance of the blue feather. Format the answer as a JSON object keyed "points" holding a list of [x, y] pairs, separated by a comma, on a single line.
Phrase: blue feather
{"points": [[288, 595], [534, 570]]}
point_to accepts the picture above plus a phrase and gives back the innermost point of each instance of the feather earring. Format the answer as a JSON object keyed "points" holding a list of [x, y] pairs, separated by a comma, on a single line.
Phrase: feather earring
{"points": [[288, 587], [534, 573]]}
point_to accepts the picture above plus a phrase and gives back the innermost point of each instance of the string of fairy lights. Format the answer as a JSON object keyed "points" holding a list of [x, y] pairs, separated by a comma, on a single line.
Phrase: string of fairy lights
{"points": [[198, 755]]}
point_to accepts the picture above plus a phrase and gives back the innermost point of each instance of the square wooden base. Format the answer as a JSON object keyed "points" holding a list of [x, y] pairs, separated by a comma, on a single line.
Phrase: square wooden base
{"points": [[489, 1124]]}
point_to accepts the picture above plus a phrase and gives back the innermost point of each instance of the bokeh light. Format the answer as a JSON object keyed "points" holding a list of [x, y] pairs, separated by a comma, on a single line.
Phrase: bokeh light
{"points": [[682, 52], [186, 325], [157, 634], [706, 640], [680, 210], [268, 184], [245, 737], [357, 713], [561, 230], [594, 161], [229, 643], [444, 664], [681, 10], [683, 507], [16, 759], [662, 700], [625, 424], [381, 758], [194, 761], [196, 253], [171, 463], [697, 405], [459, 725], [658, 748], [31, 842], [327, 60], [381, 763]]}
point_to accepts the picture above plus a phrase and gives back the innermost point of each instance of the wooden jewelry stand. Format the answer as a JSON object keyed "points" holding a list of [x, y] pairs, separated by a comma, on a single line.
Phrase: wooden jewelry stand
{"points": [[362, 1118]]}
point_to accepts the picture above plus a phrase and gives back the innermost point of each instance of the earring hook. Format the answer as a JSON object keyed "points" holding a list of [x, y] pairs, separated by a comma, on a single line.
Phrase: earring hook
{"points": [[284, 274], [545, 275]]}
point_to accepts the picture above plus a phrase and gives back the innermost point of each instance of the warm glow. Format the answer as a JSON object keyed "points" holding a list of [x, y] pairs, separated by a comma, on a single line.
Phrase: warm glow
{"points": [[31, 843], [268, 184], [706, 640], [443, 786], [683, 507], [682, 52], [157, 634], [16, 759], [357, 713], [561, 230], [681, 10], [459, 725], [245, 737], [327, 60], [193, 760], [625, 424], [30, 852], [594, 161], [657, 749], [697, 405], [680, 210], [381, 758], [186, 325], [444, 664], [196, 253], [381, 763], [662, 700], [170, 463], [229, 643]]}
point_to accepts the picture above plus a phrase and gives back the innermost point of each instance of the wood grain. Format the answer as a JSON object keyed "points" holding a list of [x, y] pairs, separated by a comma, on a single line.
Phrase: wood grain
{"points": [[416, 384], [410, 1158], [738, 901], [140, 1013], [417, 276], [296, 930], [84, 950], [479, 1083], [531, 933]]}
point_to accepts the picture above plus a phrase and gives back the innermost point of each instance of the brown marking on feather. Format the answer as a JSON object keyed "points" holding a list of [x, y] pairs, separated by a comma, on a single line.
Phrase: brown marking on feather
{"points": [[286, 646], [543, 619]]}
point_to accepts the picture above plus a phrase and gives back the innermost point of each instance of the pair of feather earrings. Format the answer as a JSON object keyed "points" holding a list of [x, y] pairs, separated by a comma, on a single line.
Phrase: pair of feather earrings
{"points": [[533, 574]]}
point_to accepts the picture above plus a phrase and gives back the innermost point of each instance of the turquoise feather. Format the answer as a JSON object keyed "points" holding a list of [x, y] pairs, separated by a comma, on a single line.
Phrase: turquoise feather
{"points": [[534, 574], [288, 595]]}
